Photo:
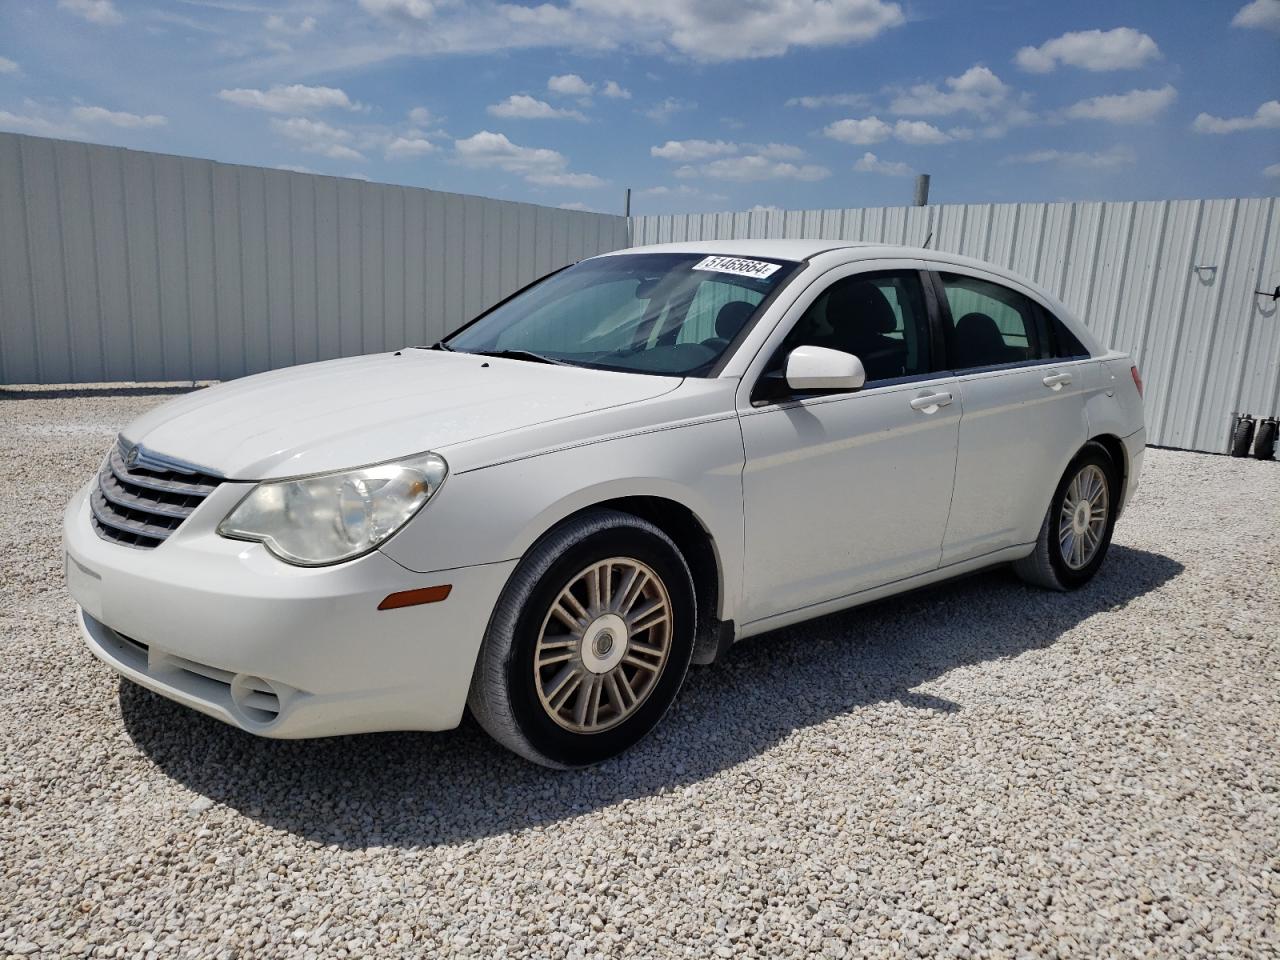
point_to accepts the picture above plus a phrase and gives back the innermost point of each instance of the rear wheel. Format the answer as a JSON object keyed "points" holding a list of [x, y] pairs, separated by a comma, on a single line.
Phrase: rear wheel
{"points": [[1076, 532], [589, 643]]}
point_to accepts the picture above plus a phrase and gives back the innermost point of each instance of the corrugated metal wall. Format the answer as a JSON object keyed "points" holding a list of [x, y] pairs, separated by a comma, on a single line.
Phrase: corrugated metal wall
{"points": [[120, 265], [1207, 345]]}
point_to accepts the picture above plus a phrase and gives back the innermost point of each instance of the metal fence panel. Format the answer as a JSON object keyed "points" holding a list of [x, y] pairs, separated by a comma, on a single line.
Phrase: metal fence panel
{"points": [[1208, 346], [120, 265]]}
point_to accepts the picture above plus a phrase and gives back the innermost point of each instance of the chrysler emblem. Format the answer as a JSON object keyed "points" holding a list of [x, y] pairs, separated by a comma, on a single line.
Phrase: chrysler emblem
{"points": [[131, 458]]}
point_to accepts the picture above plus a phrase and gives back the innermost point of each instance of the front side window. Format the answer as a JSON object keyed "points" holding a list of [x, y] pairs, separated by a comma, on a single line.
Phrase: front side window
{"points": [[667, 313], [991, 325], [880, 318]]}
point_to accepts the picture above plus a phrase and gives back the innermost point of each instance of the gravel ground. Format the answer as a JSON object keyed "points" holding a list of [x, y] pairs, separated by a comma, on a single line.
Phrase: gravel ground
{"points": [[979, 769]]}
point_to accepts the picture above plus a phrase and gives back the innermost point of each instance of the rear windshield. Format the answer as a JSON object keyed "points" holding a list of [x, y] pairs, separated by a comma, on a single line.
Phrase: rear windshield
{"points": [[664, 313]]}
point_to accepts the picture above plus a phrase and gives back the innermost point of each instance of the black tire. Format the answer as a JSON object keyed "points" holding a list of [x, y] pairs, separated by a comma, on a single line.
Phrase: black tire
{"points": [[1046, 566], [1242, 438], [1264, 443], [504, 695]]}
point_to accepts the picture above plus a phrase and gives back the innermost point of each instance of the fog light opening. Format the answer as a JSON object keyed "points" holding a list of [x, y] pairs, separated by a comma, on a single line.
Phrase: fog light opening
{"points": [[255, 698]]}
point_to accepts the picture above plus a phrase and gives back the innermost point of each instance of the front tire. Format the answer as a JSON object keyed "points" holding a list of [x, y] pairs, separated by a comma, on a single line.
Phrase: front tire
{"points": [[588, 644], [1077, 528]]}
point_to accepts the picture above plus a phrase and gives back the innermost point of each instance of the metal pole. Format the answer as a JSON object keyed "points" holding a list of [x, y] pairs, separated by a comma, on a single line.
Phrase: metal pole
{"points": [[922, 190], [626, 204]]}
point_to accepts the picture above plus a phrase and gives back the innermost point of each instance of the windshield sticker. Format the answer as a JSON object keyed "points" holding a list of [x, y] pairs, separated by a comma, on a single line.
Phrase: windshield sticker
{"points": [[736, 265]]}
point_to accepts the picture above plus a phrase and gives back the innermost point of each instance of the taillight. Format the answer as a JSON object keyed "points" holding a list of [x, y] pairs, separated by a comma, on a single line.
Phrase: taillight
{"points": [[1137, 378]]}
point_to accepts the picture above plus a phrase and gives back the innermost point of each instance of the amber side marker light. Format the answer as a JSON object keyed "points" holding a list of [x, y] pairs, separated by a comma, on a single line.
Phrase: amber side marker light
{"points": [[411, 598]]}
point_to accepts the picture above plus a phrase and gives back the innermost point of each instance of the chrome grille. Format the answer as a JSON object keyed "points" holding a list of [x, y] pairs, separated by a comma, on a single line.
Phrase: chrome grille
{"points": [[140, 505]]}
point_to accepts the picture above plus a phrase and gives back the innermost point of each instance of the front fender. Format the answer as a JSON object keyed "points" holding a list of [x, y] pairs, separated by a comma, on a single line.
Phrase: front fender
{"points": [[496, 513]]}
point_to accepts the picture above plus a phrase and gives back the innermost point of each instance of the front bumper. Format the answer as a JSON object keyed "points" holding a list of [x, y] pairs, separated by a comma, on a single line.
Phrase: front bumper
{"points": [[280, 651]]}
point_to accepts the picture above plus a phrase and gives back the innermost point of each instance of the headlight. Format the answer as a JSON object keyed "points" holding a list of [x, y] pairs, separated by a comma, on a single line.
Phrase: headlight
{"points": [[312, 521]]}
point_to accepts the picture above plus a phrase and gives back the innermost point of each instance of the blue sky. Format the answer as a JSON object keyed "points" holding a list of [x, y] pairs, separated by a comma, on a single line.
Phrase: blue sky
{"points": [[713, 105]]}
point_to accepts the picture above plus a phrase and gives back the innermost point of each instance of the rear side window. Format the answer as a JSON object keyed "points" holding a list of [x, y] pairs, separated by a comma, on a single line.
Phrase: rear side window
{"points": [[1066, 345], [991, 325]]}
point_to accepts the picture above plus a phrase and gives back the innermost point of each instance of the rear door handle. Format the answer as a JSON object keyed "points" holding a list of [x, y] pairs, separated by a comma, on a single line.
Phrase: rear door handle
{"points": [[1056, 381], [931, 402]]}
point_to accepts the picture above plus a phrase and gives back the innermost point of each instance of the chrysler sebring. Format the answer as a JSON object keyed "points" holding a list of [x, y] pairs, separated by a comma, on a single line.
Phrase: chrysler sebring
{"points": [[618, 471]]}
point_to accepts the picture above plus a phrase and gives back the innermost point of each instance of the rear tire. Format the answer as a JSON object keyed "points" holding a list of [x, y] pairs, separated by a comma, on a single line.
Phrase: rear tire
{"points": [[588, 644], [1076, 532]]}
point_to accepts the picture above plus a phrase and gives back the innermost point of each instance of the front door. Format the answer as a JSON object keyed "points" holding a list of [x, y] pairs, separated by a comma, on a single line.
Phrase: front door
{"points": [[849, 491]]}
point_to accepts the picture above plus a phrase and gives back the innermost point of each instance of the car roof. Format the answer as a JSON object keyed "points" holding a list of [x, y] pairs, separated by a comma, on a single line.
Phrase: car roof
{"points": [[772, 249], [807, 249]]}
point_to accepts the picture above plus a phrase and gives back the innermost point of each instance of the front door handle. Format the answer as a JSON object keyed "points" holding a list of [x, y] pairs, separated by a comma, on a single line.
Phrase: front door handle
{"points": [[929, 403], [1056, 381]]}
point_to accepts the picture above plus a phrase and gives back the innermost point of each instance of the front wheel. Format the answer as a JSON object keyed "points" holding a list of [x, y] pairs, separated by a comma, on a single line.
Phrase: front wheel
{"points": [[589, 643], [1076, 532]]}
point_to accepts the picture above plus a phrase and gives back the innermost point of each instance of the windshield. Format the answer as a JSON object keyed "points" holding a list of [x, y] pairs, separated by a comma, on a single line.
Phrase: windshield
{"points": [[664, 313]]}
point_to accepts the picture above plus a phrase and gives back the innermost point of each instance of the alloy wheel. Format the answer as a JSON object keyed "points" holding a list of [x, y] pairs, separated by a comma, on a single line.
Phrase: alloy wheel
{"points": [[1082, 522], [603, 645]]}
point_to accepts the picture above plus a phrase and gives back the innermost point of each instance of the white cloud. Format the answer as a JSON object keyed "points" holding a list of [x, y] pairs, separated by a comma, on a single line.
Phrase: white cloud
{"points": [[870, 163], [40, 126], [752, 167], [118, 118], [314, 136], [278, 24], [9, 66], [1136, 106], [1115, 157], [763, 28], [866, 130], [1097, 50], [918, 132], [977, 91], [410, 11], [686, 150], [703, 31], [421, 116], [102, 12], [401, 148], [538, 165], [661, 112], [613, 91], [830, 100], [520, 106], [1271, 171], [570, 85], [295, 98], [1261, 14], [295, 168], [1266, 117], [579, 206], [873, 130], [357, 176]]}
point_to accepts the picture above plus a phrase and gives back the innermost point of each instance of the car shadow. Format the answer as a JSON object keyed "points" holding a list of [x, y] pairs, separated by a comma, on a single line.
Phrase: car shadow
{"points": [[420, 789]]}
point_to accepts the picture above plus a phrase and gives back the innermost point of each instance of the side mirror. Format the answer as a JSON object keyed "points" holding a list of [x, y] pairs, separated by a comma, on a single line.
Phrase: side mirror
{"points": [[811, 369]]}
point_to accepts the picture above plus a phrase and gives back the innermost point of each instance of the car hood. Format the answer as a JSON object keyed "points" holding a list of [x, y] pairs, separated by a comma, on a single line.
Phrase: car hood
{"points": [[346, 413]]}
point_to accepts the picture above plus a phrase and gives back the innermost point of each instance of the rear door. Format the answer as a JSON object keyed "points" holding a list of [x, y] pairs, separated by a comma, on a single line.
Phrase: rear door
{"points": [[1024, 416]]}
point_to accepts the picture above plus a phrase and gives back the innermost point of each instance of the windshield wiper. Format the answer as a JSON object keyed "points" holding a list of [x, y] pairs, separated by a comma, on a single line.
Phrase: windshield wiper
{"points": [[522, 355]]}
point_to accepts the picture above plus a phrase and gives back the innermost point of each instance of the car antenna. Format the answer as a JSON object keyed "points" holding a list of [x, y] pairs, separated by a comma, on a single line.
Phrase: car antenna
{"points": [[925, 245]]}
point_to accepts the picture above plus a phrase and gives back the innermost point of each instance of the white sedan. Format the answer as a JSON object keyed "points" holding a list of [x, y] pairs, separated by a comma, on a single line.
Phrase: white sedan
{"points": [[620, 470]]}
